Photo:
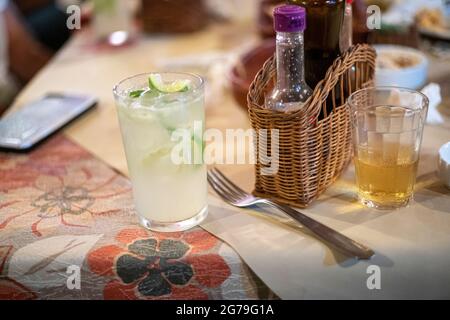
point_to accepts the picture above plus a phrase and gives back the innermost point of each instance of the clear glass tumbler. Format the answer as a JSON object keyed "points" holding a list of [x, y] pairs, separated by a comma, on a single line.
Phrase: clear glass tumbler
{"points": [[112, 21], [387, 134], [163, 139]]}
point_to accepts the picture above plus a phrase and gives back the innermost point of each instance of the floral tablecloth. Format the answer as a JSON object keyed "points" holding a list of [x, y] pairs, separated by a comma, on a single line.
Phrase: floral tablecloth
{"points": [[68, 230]]}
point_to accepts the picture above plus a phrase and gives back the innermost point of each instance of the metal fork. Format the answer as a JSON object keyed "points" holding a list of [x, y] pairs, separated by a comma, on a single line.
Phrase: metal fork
{"points": [[237, 197]]}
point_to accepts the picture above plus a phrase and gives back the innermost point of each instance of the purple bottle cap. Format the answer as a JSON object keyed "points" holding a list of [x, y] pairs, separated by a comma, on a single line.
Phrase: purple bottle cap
{"points": [[289, 18]]}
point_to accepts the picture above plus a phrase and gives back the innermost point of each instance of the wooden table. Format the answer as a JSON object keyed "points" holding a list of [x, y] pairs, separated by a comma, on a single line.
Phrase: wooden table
{"points": [[63, 204], [85, 67], [82, 66]]}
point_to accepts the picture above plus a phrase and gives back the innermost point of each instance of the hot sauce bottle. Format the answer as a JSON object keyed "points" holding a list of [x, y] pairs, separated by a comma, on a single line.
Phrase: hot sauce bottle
{"points": [[291, 90]]}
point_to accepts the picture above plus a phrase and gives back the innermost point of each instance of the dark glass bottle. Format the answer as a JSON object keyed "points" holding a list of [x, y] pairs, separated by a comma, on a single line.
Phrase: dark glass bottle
{"points": [[322, 36]]}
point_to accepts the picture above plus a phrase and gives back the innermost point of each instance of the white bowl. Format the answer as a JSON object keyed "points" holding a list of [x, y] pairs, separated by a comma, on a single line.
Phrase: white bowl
{"points": [[444, 164], [413, 77]]}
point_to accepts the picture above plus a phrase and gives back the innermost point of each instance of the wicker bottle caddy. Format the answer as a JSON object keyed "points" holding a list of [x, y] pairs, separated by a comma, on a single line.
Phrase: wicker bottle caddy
{"points": [[314, 147]]}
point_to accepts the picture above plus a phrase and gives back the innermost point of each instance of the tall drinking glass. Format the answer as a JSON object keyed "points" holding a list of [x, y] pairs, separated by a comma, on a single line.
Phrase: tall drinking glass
{"points": [[387, 134], [112, 21], [163, 139]]}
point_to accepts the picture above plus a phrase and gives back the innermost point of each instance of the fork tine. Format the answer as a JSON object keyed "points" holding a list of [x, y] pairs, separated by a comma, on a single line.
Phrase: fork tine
{"points": [[224, 185], [220, 190], [230, 184], [213, 184]]}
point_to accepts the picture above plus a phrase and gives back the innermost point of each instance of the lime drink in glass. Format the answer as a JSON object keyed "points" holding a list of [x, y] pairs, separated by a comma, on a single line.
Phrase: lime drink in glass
{"points": [[162, 121]]}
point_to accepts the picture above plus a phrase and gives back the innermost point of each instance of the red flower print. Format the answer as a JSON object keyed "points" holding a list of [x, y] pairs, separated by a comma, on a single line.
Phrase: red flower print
{"points": [[149, 265], [67, 198], [19, 170], [55, 155]]}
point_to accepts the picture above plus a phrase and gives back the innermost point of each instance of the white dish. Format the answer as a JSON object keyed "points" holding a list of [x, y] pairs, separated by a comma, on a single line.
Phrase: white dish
{"points": [[411, 77], [444, 164]]}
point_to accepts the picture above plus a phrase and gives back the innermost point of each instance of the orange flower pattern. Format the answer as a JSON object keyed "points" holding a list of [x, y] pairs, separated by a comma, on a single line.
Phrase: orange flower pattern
{"points": [[149, 265], [59, 192]]}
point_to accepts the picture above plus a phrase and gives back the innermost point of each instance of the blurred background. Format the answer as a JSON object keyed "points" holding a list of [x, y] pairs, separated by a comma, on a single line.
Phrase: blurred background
{"points": [[33, 31]]}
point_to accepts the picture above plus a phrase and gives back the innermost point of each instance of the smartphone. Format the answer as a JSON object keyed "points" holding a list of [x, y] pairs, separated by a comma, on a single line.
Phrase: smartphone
{"points": [[36, 121]]}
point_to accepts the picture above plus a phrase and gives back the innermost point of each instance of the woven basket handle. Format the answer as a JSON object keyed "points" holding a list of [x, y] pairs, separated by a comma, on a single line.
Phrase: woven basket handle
{"points": [[360, 53]]}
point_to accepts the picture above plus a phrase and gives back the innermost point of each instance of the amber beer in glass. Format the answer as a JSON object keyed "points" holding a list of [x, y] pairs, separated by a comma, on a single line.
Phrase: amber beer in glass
{"points": [[387, 134]]}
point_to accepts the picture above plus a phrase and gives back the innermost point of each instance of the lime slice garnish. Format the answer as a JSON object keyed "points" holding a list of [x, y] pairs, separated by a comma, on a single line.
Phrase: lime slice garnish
{"points": [[155, 81]]}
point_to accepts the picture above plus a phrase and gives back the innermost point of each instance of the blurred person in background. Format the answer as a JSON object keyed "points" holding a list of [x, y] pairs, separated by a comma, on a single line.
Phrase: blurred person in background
{"points": [[46, 19], [31, 32]]}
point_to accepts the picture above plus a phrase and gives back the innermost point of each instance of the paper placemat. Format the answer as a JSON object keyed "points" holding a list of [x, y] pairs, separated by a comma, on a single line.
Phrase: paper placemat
{"points": [[412, 246]]}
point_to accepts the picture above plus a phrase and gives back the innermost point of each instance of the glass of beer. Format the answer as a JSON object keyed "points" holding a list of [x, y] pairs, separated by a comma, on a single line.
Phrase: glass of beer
{"points": [[387, 134]]}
